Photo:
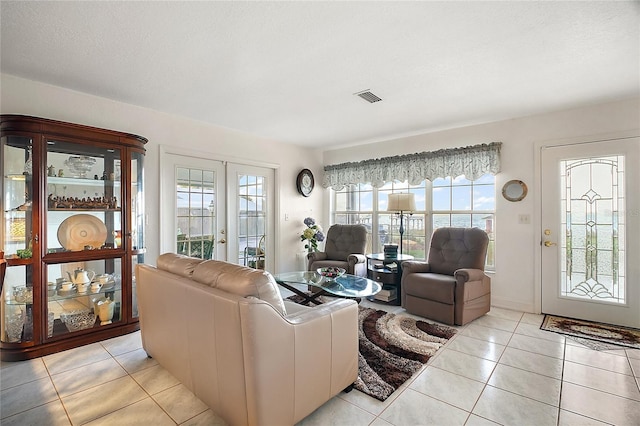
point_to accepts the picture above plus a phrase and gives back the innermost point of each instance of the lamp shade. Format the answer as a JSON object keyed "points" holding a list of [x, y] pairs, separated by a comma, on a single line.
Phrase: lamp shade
{"points": [[401, 202]]}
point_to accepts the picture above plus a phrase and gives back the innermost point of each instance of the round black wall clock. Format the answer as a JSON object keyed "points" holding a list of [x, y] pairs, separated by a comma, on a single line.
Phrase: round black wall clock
{"points": [[305, 182]]}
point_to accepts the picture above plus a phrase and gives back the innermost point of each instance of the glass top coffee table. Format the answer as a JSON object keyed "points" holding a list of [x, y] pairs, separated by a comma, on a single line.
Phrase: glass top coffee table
{"points": [[348, 286]]}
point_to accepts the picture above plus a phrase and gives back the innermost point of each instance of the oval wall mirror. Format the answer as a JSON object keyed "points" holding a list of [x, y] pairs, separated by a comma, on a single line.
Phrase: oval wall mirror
{"points": [[514, 190]]}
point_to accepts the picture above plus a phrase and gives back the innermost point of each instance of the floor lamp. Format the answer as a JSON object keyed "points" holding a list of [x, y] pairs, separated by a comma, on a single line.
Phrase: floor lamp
{"points": [[401, 203]]}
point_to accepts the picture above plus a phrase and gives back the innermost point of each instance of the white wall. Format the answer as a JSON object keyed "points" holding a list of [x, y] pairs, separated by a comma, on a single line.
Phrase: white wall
{"points": [[20, 96], [513, 283]]}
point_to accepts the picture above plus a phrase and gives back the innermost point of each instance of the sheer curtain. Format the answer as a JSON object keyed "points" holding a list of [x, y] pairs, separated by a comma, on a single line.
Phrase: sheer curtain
{"points": [[471, 161]]}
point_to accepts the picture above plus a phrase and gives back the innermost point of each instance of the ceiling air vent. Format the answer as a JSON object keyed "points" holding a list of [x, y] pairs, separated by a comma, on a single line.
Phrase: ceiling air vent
{"points": [[368, 96]]}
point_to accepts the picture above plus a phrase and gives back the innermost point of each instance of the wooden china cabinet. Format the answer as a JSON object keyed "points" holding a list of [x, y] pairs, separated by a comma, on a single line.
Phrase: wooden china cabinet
{"points": [[72, 233]]}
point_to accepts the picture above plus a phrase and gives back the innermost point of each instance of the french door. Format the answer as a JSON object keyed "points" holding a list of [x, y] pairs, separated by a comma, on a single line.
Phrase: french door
{"points": [[250, 194], [590, 236], [218, 210], [193, 215]]}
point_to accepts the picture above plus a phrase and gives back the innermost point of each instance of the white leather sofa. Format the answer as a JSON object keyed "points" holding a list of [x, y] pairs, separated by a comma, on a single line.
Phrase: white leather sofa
{"points": [[224, 331]]}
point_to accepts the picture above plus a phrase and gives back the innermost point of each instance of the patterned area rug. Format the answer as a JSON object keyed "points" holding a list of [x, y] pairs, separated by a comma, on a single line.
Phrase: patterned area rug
{"points": [[604, 335], [392, 348]]}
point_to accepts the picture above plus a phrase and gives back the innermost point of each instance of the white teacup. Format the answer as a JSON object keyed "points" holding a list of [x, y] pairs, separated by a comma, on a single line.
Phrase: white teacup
{"points": [[95, 287], [66, 285], [103, 278], [82, 287]]}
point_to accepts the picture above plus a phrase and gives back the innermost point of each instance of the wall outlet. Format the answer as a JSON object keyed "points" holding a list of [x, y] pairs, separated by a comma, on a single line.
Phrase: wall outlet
{"points": [[524, 219], [286, 216]]}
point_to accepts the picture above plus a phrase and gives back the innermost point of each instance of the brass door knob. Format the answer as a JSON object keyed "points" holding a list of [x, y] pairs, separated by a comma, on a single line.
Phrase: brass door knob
{"points": [[549, 244], [222, 241]]}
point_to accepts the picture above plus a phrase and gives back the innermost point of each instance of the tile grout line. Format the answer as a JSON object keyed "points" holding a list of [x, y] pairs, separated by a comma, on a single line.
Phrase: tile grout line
{"points": [[64, 407], [486, 383]]}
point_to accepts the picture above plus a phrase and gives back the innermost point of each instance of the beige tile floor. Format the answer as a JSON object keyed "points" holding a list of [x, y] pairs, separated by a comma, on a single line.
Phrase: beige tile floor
{"points": [[500, 369]]}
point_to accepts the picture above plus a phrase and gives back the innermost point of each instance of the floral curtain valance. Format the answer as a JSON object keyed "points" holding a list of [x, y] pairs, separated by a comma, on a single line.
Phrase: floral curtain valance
{"points": [[471, 161]]}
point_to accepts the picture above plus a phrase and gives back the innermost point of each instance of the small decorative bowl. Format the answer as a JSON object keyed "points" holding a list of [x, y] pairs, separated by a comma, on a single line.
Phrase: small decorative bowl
{"points": [[78, 320], [331, 272]]}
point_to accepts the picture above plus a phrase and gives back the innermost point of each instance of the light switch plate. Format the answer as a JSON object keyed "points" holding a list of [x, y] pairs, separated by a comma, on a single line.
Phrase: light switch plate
{"points": [[524, 219]]}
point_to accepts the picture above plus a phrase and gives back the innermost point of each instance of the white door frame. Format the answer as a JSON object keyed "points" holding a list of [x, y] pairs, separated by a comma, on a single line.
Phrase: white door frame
{"points": [[537, 193], [275, 224]]}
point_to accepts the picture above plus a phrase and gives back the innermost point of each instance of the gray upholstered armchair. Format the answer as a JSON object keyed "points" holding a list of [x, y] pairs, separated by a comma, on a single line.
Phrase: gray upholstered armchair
{"points": [[344, 248], [451, 287]]}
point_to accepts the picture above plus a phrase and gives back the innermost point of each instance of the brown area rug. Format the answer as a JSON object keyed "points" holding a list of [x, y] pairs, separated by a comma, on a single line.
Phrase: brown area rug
{"points": [[392, 348], [585, 331]]}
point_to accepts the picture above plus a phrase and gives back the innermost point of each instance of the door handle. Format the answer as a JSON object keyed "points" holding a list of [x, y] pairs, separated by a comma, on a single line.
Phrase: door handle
{"points": [[549, 244], [222, 241]]}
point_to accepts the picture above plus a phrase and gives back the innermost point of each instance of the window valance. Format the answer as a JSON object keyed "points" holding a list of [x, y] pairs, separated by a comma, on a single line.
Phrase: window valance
{"points": [[471, 161]]}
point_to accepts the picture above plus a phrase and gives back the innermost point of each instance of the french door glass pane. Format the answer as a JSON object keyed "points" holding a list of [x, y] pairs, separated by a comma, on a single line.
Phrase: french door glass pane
{"points": [[195, 204], [252, 204]]}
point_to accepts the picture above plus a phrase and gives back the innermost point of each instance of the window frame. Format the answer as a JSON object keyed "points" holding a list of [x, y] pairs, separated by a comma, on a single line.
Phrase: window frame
{"points": [[424, 192]]}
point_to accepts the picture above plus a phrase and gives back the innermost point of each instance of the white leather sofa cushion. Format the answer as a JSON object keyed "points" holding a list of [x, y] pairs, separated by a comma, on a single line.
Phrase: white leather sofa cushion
{"points": [[241, 281], [178, 264]]}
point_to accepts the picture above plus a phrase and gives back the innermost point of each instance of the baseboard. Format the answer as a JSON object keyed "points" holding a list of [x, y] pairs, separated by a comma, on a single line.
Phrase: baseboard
{"points": [[512, 305]]}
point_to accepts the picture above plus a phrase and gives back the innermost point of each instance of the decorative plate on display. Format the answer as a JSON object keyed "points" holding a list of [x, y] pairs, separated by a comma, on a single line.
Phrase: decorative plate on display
{"points": [[82, 230]]}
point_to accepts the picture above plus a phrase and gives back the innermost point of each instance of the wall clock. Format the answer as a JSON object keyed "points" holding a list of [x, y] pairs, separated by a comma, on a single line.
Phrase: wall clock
{"points": [[305, 182]]}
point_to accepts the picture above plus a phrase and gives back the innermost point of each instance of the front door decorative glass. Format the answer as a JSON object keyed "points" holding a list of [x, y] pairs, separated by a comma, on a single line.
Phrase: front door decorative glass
{"points": [[593, 244]]}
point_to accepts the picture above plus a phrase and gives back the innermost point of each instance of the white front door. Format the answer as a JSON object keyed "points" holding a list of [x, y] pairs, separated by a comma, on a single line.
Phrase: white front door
{"points": [[590, 236]]}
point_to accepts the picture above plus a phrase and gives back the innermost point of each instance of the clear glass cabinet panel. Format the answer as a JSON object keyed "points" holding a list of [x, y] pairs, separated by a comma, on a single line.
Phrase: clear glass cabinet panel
{"points": [[138, 222], [17, 202], [84, 197], [137, 201], [17, 309], [83, 295], [134, 299]]}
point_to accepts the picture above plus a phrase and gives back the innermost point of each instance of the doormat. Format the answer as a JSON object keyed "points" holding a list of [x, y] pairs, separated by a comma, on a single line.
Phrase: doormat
{"points": [[595, 331]]}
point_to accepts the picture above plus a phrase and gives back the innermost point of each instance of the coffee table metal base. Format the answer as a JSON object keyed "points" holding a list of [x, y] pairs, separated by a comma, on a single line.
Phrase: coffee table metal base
{"points": [[313, 297]]}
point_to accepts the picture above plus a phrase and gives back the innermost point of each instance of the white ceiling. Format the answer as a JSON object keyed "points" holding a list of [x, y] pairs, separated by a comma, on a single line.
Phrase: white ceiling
{"points": [[288, 70]]}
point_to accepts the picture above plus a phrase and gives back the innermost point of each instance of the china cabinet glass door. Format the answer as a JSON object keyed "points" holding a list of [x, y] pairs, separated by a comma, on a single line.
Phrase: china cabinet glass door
{"points": [[17, 203], [137, 223], [83, 214]]}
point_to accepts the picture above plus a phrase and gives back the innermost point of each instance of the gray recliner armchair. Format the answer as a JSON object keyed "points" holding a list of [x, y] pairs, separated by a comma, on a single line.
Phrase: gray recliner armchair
{"points": [[344, 248], [451, 287]]}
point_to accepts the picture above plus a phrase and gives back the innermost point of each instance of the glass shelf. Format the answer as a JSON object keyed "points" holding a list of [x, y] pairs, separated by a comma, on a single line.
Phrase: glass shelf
{"points": [[81, 181]]}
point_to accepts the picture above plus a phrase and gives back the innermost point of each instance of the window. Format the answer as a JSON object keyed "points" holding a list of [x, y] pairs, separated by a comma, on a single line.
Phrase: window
{"points": [[463, 203], [443, 202]]}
